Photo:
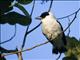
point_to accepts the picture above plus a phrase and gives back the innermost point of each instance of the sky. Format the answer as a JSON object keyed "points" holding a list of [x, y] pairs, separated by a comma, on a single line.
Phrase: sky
{"points": [[59, 9]]}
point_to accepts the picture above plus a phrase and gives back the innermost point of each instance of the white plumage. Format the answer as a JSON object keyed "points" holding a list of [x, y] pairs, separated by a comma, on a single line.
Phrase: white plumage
{"points": [[51, 29]]}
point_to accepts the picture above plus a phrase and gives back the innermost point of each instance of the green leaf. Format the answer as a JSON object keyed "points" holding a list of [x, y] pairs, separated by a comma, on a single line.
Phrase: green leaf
{"points": [[15, 18], [5, 6], [24, 1]]}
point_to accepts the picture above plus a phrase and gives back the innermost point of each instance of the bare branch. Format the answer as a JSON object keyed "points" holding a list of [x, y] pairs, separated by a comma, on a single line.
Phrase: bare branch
{"points": [[26, 49], [69, 27], [34, 28], [50, 6], [10, 38], [71, 22], [69, 15], [27, 27]]}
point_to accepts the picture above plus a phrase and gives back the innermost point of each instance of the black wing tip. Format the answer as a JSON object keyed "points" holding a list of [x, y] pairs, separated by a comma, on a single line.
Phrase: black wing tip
{"points": [[61, 50]]}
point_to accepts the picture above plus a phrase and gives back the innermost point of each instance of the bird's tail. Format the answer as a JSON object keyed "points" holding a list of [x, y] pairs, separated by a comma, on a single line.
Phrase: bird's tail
{"points": [[62, 50], [55, 50], [59, 50]]}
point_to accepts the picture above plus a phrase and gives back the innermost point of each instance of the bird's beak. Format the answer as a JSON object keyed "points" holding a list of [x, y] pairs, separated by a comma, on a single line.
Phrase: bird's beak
{"points": [[38, 18]]}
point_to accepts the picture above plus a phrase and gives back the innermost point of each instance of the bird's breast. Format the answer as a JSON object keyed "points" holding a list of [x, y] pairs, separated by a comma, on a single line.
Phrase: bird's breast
{"points": [[51, 29]]}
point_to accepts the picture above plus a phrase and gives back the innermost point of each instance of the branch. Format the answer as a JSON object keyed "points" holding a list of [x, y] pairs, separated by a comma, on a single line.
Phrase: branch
{"points": [[32, 8], [25, 49], [23, 44], [50, 6], [69, 15], [71, 21], [10, 38], [69, 27], [34, 28]]}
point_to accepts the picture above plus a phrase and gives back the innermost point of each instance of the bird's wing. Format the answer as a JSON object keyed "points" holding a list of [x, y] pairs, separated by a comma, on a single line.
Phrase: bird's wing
{"points": [[63, 35]]}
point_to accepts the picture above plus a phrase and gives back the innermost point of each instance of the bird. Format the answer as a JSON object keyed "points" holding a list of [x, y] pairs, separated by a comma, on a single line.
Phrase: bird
{"points": [[53, 31]]}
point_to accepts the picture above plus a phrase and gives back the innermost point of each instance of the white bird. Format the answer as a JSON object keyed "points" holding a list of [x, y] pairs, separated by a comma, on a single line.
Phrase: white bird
{"points": [[53, 31]]}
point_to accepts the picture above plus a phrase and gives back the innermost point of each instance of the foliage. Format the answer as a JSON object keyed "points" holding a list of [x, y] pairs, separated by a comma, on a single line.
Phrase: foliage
{"points": [[24, 1], [5, 6], [13, 17], [73, 47]]}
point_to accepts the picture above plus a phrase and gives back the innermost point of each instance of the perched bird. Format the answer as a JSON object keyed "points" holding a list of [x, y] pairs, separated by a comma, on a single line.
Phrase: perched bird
{"points": [[53, 31]]}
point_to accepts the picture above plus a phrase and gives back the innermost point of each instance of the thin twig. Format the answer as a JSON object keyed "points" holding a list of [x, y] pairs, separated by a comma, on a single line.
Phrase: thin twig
{"points": [[34, 28], [32, 8], [58, 56], [25, 49], [68, 15], [69, 27], [24, 41], [71, 22], [10, 38], [50, 6]]}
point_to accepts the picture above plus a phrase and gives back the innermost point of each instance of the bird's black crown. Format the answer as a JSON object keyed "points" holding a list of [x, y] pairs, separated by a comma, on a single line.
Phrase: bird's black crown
{"points": [[43, 15]]}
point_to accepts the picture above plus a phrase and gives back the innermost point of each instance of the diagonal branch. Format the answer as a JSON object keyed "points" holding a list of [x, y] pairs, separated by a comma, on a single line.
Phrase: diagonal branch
{"points": [[34, 28], [25, 49], [71, 22], [69, 15]]}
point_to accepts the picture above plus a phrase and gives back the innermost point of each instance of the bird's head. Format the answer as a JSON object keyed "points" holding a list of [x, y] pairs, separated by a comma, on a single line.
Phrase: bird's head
{"points": [[44, 15]]}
